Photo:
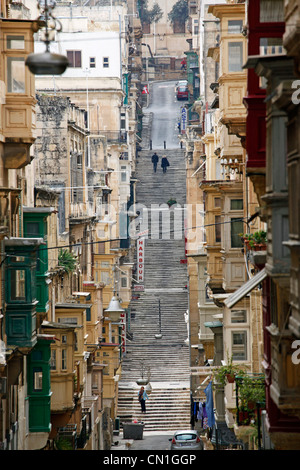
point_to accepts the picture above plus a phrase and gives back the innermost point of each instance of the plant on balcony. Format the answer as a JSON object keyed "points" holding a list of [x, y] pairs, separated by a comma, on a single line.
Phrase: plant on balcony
{"points": [[251, 390], [226, 373], [67, 260], [256, 240]]}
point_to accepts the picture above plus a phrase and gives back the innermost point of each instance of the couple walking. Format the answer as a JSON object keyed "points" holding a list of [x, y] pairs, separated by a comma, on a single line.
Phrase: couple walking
{"points": [[164, 162]]}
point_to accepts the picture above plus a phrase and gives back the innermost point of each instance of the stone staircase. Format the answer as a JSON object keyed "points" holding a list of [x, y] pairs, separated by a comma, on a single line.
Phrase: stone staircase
{"points": [[167, 408], [160, 308]]}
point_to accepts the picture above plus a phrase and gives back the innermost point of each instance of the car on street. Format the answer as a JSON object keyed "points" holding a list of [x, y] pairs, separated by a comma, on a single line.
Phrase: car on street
{"points": [[186, 440], [181, 83], [182, 92]]}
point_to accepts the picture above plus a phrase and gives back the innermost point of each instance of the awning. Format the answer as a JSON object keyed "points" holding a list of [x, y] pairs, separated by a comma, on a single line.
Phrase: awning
{"points": [[245, 288]]}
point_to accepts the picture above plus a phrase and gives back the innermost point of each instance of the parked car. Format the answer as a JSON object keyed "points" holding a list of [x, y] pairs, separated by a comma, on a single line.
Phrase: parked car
{"points": [[181, 83], [182, 93], [186, 440]]}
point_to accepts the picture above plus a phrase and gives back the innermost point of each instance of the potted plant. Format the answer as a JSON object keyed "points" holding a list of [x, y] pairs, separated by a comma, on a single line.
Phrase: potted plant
{"points": [[251, 390], [256, 240], [226, 373]]}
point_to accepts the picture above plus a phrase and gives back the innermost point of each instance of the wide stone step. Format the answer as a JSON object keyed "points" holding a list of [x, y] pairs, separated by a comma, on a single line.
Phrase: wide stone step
{"points": [[166, 409]]}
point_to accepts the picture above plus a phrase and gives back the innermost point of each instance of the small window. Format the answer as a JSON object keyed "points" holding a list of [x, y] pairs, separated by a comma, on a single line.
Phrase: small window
{"points": [[32, 229], [64, 359], [271, 11], [104, 276], [74, 58], [236, 204], [123, 281], [92, 62], [70, 320], [217, 202], [235, 56], [53, 359], [271, 46], [64, 339], [17, 285], [15, 42], [15, 75], [38, 378], [123, 174], [237, 227], [238, 316], [217, 228], [105, 264], [239, 346], [105, 62], [235, 26], [88, 314]]}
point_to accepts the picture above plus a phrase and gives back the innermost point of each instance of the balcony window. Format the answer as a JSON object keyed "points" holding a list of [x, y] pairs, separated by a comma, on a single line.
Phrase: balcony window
{"points": [[239, 345], [217, 202], [235, 26], [235, 56], [271, 11], [37, 379], [238, 316], [68, 320], [123, 174], [236, 227], [15, 42], [64, 359], [53, 359], [105, 277], [17, 285], [15, 75], [236, 204], [217, 228]]}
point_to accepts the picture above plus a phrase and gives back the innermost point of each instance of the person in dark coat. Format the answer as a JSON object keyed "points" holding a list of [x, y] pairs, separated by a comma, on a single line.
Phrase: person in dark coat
{"points": [[142, 396], [154, 161], [164, 163]]}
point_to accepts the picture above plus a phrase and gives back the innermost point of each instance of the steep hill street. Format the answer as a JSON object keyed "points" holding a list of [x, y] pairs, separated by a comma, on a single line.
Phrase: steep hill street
{"points": [[162, 304]]}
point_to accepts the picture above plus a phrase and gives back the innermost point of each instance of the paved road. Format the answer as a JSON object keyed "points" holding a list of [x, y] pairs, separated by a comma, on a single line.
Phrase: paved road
{"points": [[153, 442], [166, 113]]}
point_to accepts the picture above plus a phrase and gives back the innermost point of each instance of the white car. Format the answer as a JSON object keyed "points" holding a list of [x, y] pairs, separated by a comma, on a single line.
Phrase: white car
{"points": [[186, 440], [181, 83]]}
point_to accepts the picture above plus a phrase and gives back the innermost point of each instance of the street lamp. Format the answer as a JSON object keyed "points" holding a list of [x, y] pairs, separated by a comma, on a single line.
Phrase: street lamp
{"points": [[114, 308], [47, 63], [142, 380]]}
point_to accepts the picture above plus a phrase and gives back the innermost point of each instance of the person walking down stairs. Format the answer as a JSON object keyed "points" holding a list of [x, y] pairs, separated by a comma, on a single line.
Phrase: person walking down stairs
{"points": [[164, 163], [142, 399], [155, 161]]}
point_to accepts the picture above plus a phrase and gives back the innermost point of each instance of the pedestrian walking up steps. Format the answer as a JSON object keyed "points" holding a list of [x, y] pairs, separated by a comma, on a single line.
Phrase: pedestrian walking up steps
{"points": [[161, 308]]}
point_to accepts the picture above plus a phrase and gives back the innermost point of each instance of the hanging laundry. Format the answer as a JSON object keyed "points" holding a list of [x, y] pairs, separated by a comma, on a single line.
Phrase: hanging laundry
{"points": [[210, 405], [204, 417], [200, 412]]}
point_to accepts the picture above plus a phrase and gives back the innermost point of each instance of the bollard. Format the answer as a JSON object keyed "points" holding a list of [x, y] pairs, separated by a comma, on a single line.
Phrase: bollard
{"points": [[150, 144], [165, 144]]}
